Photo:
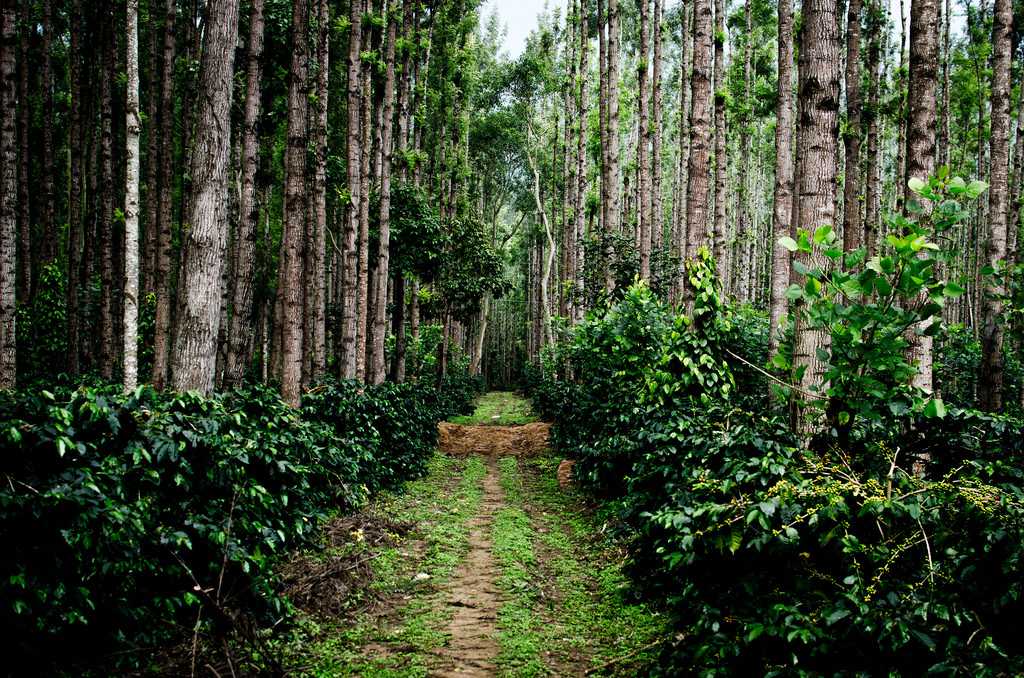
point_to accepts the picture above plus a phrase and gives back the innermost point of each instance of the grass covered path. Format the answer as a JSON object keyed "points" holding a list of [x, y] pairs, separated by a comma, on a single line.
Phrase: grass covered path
{"points": [[485, 567]]}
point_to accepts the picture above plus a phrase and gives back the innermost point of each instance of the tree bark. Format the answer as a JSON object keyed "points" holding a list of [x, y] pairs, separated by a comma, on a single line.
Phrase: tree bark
{"points": [[316, 258], [48, 215], [614, 214], [195, 348], [243, 276], [378, 364], [920, 155], [133, 132], [75, 225], [290, 279], [644, 141], [24, 207], [853, 235], [578, 304], [8, 196], [990, 382], [782, 204], [816, 179], [347, 363], [107, 241], [657, 228], [164, 309], [697, 221], [720, 237]]}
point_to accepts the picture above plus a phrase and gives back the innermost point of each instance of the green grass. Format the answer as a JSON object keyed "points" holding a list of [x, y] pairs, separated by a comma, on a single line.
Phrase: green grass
{"points": [[500, 408], [441, 504], [589, 614]]}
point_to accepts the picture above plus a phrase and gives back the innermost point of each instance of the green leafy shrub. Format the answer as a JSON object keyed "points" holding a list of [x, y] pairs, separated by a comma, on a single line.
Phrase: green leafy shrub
{"points": [[772, 559], [123, 516]]}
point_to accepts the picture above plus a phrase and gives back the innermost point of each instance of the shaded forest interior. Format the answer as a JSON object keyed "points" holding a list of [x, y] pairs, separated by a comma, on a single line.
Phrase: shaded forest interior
{"points": [[262, 248]]}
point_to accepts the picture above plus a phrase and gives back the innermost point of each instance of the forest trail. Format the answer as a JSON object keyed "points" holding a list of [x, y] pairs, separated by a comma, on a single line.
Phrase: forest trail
{"points": [[496, 571]]}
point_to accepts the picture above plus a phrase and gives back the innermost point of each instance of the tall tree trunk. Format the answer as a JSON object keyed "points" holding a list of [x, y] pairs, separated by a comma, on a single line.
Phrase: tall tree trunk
{"points": [[782, 204], [243, 276], [24, 206], [351, 254], [990, 382], [151, 180], [657, 227], [316, 256], [290, 285], [107, 240], [744, 241], [377, 366], [853, 234], [698, 232], [48, 214], [946, 57], [644, 141], [164, 252], [363, 281], [195, 348], [721, 159], [872, 188], [602, 64], [579, 237], [614, 214], [8, 196], [133, 132], [75, 225], [816, 179], [920, 155]]}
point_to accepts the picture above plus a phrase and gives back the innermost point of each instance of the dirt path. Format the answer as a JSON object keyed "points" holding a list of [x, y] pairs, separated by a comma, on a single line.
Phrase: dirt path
{"points": [[502, 572], [472, 595]]}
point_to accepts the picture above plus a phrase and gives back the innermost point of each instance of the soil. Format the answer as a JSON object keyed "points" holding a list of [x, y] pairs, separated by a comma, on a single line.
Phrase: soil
{"points": [[493, 441], [472, 594]]}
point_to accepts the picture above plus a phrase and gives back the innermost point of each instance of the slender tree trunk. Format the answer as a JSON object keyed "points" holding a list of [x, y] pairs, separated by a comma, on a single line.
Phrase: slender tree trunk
{"points": [[8, 196], [293, 239], [816, 179], [990, 382], [644, 141], [378, 365], [602, 59], [133, 132], [398, 329], [108, 347], [363, 282], [698, 233], [151, 178], [164, 252], [742, 268], [75, 225], [24, 207], [872, 190], [720, 235], [782, 206], [920, 155], [945, 58], [48, 214], [853, 234], [579, 254], [657, 219], [316, 256], [195, 348], [243, 276], [614, 214], [351, 254]]}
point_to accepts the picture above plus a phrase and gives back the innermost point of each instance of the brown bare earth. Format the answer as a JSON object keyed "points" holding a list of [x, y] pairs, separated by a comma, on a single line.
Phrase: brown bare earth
{"points": [[473, 595], [494, 441]]}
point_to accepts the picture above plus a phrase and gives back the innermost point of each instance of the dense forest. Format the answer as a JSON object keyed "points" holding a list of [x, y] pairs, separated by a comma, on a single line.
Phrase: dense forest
{"points": [[756, 261]]}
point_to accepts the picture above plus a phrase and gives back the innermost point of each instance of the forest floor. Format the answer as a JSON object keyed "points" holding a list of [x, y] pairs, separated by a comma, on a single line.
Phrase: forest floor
{"points": [[485, 567]]}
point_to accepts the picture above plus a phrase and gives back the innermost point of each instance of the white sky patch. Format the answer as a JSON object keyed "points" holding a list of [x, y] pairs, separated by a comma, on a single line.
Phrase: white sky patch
{"points": [[520, 17]]}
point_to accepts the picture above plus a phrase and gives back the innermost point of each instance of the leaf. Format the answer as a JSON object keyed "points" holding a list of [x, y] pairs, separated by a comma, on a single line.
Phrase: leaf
{"points": [[917, 185], [952, 290], [976, 188], [788, 243], [935, 409]]}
